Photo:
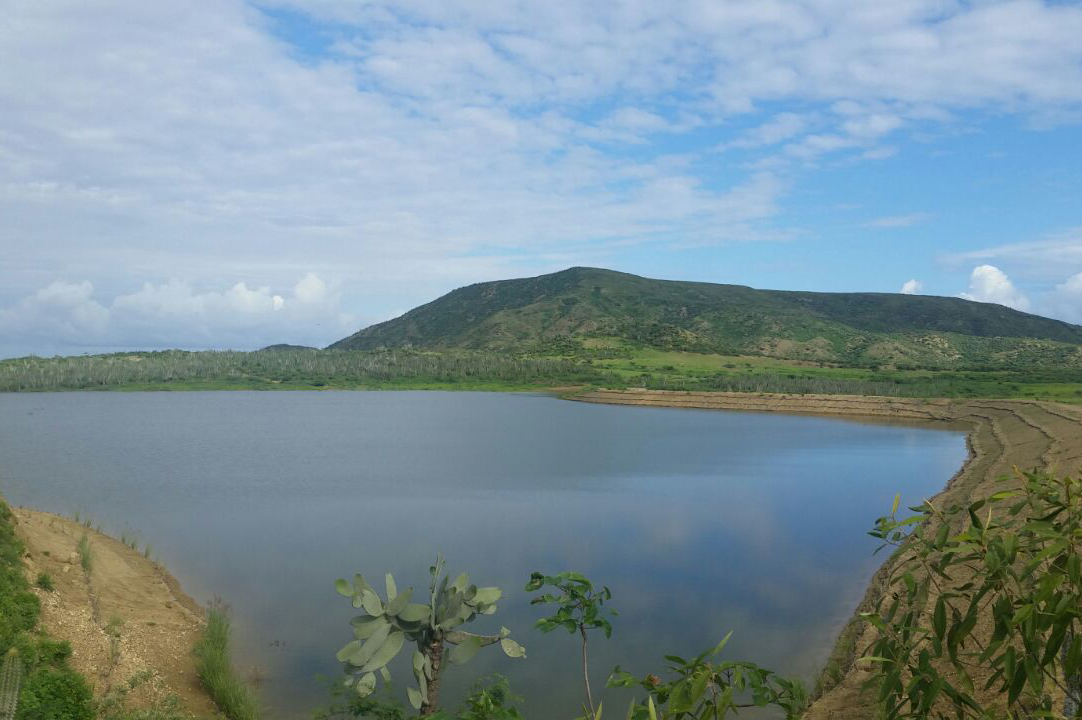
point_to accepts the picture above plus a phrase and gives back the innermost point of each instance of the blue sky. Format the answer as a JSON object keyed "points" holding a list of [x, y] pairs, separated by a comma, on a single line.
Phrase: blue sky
{"points": [[231, 174]]}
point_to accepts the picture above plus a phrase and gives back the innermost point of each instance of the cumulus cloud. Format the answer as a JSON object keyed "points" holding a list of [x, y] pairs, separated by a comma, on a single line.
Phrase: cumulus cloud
{"points": [[1065, 300], [989, 284], [426, 145], [176, 314], [61, 312], [912, 287]]}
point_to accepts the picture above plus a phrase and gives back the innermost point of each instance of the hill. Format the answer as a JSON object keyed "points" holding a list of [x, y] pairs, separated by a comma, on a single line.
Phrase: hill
{"points": [[280, 347], [580, 309]]}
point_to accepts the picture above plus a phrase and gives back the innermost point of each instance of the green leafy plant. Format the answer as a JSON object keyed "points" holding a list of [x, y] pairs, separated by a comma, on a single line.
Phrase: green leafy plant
{"points": [[1012, 559], [702, 688], [54, 653], [490, 699], [55, 694], [381, 704], [385, 627], [579, 610], [45, 582]]}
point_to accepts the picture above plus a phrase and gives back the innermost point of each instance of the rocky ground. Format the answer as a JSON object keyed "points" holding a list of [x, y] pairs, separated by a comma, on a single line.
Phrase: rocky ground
{"points": [[125, 618]]}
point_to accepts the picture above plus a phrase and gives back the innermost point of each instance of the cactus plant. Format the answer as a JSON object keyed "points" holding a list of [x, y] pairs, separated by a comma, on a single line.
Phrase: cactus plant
{"points": [[382, 632], [11, 677]]}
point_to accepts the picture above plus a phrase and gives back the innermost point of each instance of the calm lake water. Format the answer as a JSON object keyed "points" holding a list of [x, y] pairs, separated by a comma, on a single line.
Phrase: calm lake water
{"points": [[700, 522]]}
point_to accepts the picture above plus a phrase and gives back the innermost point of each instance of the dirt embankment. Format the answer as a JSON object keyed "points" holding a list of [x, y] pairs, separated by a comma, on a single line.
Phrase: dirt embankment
{"points": [[126, 617], [1003, 434]]}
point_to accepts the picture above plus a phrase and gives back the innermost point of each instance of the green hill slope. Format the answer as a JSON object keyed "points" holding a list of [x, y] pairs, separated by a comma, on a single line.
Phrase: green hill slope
{"points": [[588, 307]]}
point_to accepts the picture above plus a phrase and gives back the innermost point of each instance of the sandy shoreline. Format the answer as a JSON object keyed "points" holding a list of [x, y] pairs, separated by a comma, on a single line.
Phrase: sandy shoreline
{"points": [[1002, 435], [126, 617]]}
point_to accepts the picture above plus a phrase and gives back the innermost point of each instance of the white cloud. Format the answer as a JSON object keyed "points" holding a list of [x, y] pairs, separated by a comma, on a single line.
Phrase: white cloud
{"points": [[1065, 300], [898, 221], [912, 287], [1045, 260], [310, 290], [782, 126], [434, 144], [175, 314], [989, 284], [62, 312]]}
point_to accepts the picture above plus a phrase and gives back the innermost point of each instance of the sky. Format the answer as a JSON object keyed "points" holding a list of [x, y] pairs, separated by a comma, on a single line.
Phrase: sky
{"points": [[229, 174]]}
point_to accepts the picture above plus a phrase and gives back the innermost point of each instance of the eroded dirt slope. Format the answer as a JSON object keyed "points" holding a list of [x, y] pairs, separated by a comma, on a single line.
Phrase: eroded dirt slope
{"points": [[124, 618]]}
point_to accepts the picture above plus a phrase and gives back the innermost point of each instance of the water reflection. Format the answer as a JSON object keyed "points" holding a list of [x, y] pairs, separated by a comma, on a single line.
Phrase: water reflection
{"points": [[700, 522]]}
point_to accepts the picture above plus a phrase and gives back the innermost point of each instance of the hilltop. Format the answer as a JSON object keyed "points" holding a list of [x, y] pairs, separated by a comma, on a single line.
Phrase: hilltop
{"points": [[589, 308]]}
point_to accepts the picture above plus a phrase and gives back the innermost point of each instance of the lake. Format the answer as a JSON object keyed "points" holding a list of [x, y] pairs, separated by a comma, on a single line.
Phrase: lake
{"points": [[700, 522]]}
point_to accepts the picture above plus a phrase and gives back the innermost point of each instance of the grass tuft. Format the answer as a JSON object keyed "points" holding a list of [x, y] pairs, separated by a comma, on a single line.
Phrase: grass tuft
{"points": [[215, 669], [86, 558], [45, 582]]}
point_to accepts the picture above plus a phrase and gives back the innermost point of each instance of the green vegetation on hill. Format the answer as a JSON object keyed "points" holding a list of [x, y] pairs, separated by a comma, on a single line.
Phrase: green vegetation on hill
{"points": [[295, 369], [570, 309], [598, 327], [609, 365]]}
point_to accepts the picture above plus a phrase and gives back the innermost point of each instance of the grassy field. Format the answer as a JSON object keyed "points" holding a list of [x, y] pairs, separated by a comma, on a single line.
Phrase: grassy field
{"points": [[675, 369], [600, 363]]}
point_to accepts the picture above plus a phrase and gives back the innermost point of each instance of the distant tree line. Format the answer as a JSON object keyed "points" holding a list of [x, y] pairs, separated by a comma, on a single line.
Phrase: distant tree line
{"points": [[298, 368], [315, 368]]}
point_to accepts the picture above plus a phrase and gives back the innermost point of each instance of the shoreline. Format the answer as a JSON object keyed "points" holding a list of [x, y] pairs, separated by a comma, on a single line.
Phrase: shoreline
{"points": [[126, 617], [1002, 435]]}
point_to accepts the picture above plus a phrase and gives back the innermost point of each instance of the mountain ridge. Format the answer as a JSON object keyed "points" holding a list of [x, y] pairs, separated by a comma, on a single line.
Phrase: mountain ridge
{"points": [[583, 307]]}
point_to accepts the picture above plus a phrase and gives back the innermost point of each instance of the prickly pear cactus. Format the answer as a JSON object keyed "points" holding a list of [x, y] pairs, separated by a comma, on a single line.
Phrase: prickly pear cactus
{"points": [[11, 678], [386, 626]]}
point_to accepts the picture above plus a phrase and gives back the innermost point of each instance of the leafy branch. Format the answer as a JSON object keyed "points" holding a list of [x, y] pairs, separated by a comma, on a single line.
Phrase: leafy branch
{"points": [[579, 609]]}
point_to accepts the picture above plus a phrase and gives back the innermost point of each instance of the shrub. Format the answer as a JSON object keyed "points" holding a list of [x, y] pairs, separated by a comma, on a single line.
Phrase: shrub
{"points": [[55, 694], [19, 612], [491, 699], [1015, 559], [19, 608], [53, 652], [704, 688]]}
